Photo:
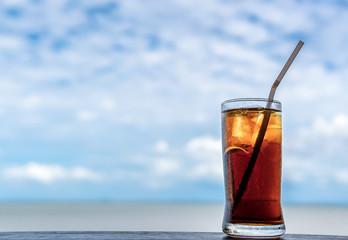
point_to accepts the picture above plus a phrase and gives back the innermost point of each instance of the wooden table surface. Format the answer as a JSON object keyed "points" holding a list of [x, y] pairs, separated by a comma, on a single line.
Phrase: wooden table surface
{"points": [[145, 235]]}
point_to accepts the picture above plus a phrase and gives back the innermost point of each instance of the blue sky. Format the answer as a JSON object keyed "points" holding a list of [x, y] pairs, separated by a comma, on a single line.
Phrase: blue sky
{"points": [[120, 100]]}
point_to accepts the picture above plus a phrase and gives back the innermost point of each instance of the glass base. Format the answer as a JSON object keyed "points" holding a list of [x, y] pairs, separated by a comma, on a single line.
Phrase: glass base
{"points": [[253, 231]]}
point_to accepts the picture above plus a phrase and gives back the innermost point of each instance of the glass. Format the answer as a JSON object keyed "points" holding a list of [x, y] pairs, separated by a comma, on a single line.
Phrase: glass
{"points": [[252, 207]]}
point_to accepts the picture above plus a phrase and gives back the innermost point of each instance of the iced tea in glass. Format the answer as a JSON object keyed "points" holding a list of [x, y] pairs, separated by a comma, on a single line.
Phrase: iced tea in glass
{"points": [[256, 212]]}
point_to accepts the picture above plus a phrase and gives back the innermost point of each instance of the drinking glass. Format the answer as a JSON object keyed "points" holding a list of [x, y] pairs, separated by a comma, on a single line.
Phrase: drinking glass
{"points": [[252, 187]]}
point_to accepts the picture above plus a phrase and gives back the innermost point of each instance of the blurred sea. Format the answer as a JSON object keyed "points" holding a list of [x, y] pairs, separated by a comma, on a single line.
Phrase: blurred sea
{"points": [[199, 217]]}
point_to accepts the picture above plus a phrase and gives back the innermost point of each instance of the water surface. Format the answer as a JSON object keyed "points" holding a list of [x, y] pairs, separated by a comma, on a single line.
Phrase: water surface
{"points": [[198, 217]]}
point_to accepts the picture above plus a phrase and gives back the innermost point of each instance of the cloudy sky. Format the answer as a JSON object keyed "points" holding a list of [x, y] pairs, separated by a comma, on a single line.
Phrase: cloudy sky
{"points": [[120, 100]]}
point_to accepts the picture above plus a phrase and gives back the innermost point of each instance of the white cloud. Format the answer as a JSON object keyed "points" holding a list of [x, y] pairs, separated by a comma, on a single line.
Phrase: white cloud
{"points": [[313, 172], [199, 159], [300, 170], [108, 104], [342, 176], [243, 28], [334, 127], [319, 151], [337, 126], [81, 173], [165, 166], [161, 146], [46, 174], [8, 42], [31, 102], [204, 148], [86, 115], [206, 152]]}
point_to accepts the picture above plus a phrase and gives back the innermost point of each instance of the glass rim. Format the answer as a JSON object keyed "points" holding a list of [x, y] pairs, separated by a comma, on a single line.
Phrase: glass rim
{"points": [[249, 100]]}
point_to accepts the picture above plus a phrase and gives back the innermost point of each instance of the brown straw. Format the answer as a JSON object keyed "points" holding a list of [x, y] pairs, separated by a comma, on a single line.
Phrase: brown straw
{"points": [[261, 135]]}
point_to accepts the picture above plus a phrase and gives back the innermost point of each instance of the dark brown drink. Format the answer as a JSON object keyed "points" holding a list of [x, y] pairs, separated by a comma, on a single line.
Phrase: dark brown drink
{"points": [[258, 207]]}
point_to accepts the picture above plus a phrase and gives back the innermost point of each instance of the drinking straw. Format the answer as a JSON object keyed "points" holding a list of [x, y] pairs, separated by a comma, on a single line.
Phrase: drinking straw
{"points": [[262, 131]]}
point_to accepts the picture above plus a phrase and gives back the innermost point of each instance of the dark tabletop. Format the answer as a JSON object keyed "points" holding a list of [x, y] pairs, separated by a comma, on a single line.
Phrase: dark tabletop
{"points": [[145, 235]]}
